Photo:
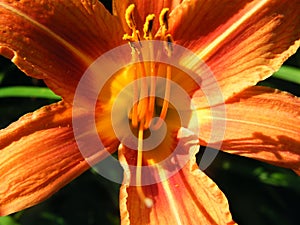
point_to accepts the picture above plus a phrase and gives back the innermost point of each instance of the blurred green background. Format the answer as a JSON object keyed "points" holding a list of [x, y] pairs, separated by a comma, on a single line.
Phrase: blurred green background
{"points": [[258, 193]]}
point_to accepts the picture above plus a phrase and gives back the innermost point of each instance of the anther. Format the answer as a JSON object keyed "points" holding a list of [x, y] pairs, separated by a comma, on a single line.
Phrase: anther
{"points": [[163, 20], [148, 26], [129, 16]]}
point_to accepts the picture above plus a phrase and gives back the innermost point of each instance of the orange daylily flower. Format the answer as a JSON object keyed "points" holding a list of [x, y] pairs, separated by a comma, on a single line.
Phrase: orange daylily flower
{"points": [[241, 41]]}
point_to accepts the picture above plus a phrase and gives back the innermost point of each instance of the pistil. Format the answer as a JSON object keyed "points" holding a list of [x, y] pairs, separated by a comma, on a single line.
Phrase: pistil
{"points": [[148, 201]]}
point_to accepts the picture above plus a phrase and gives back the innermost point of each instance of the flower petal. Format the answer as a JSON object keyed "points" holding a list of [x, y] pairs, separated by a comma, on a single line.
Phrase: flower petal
{"points": [[242, 42], [36, 167], [56, 40], [142, 10], [188, 197], [38, 156], [261, 123]]}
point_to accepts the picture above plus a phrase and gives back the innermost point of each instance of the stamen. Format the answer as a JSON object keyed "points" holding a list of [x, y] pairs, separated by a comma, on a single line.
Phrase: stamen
{"points": [[134, 119], [129, 16], [148, 26], [164, 110], [163, 17], [143, 101], [148, 36], [134, 115], [163, 21], [165, 105], [148, 201], [151, 100]]}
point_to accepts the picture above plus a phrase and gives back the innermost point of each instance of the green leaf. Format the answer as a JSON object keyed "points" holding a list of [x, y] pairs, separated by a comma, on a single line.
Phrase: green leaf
{"points": [[288, 73], [28, 92], [7, 220], [278, 179], [53, 219]]}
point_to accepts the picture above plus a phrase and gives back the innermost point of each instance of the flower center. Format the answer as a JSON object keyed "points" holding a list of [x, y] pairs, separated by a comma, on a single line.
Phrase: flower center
{"points": [[143, 109]]}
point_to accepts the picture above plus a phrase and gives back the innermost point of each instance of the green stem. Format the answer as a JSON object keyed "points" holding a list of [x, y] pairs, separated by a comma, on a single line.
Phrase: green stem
{"points": [[28, 92], [288, 73]]}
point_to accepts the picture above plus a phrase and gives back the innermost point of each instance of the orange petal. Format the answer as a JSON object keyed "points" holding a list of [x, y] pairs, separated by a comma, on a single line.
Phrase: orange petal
{"points": [[188, 197], [38, 156], [142, 10], [37, 166], [56, 40], [261, 123], [242, 42]]}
